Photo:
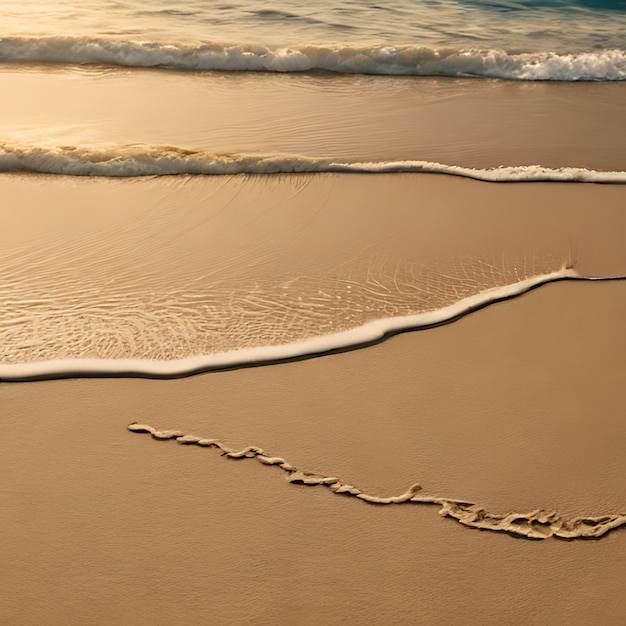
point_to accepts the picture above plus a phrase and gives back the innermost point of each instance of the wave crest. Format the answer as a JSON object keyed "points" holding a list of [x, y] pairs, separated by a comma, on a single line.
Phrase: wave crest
{"points": [[602, 65]]}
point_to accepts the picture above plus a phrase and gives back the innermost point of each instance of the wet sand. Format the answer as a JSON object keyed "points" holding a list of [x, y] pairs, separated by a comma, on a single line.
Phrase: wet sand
{"points": [[455, 121], [518, 406], [169, 268]]}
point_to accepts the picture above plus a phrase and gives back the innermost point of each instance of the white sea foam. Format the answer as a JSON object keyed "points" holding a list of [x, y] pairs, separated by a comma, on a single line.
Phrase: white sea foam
{"points": [[142, 160], [600, 65], [362, 335]]}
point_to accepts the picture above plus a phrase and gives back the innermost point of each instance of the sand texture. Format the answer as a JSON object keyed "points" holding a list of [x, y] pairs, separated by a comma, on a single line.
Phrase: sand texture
{"points": [[517, 407], [510, 418]]}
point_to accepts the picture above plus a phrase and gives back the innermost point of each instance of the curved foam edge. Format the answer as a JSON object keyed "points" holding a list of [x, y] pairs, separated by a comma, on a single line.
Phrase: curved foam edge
{"points": [[146, 160], [363, 335], [404, 60], [537, 524]]}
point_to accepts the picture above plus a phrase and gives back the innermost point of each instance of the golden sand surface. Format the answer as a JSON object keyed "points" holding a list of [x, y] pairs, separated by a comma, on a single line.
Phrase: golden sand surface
{"points": [[516, 407]]}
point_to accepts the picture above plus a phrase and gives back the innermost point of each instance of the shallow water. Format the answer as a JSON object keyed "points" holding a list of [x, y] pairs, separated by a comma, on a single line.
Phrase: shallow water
{"points": [[506, 39], [117, 122], [175, 274]]}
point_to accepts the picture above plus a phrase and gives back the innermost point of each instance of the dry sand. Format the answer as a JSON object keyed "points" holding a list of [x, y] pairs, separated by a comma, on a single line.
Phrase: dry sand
{"points": [[516, 407]]}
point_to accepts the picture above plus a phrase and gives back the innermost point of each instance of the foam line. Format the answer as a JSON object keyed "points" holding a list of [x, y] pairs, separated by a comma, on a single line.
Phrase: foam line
{"points": [[537, 524], [146, 160], [404, 60], [363, 335]]}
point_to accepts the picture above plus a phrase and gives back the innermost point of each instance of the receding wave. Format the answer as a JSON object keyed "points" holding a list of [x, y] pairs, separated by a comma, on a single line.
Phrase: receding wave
{"points": [[537, 524], [601, 65], [143, 160], [16, 368]]}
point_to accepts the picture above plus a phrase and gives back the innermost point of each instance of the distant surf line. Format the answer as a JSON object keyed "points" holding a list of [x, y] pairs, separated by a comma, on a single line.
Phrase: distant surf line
{"points": [[386, 60], [129, 161], [360, 337], [537, 524]]}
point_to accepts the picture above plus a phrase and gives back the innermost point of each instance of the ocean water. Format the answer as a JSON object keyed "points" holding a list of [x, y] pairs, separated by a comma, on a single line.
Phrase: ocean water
{"points": [[223, 120], [519, 39]]}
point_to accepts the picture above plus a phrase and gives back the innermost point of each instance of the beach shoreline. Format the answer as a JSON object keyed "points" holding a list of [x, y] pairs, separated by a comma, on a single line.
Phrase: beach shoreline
{"points": [[510, 416], [516, 406]]}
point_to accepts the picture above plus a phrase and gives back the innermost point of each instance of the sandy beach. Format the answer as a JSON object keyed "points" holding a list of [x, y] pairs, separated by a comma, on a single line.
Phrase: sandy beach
{"points": [[515, 407], [116, 244]]}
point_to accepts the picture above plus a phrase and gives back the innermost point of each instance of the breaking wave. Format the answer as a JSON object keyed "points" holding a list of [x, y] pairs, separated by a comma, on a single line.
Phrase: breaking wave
{"points": [[143, 160], [536, 524], [601, 65]]}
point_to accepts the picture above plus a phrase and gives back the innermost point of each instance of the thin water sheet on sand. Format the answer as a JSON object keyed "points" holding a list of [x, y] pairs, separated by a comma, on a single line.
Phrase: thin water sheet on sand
{"points": [[184, 268], [452, 121]]}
